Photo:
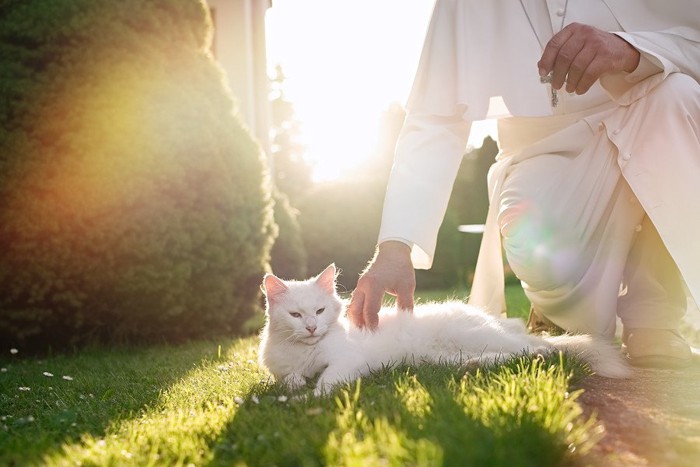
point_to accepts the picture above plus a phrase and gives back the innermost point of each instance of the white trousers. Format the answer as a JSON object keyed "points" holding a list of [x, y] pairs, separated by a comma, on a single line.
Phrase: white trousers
{"points": [[573, 231]]}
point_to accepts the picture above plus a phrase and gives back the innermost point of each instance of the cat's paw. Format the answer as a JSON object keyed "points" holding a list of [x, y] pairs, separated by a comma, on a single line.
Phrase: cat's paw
{"points": [[294, 381]]}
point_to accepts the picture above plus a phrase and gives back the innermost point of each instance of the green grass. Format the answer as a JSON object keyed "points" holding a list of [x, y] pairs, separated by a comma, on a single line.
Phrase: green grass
{"points": [[209, 403]]}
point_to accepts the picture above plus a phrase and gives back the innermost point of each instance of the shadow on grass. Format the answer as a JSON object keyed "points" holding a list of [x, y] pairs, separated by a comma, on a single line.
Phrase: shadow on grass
{"points": [[275, 428], [48, 403], [465, 438], [403, 416]]}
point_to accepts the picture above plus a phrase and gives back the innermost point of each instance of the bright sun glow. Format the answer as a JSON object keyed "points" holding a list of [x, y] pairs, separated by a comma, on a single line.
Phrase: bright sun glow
{"points": [[345, 63]]}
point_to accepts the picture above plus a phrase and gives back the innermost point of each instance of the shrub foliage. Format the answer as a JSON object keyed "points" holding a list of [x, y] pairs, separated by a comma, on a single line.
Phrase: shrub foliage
{"points": [[288, 256], [134, 204]]}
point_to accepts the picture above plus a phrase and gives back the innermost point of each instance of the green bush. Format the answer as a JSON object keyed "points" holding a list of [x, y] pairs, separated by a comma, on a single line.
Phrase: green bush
{"points": [[288, 257], [134, 203]]}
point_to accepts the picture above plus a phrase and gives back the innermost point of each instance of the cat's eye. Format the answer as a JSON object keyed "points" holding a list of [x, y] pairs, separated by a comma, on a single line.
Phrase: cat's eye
{"points": [[320, 310], [295, 314]]}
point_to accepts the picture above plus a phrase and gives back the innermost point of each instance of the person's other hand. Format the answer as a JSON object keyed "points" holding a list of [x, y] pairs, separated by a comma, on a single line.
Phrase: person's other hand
{"points": [[390, 271], [579, 54]]}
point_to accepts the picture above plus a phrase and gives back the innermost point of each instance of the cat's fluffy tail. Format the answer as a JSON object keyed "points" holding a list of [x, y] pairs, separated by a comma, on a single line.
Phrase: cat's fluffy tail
{"points": [[604, 358]]}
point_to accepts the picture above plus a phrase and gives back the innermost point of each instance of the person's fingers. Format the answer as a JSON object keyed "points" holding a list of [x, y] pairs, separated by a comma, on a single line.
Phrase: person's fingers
{"points": [[404, 300], [370, 311], [578, 69], [589, 77], [564, 59], [551, 50], [404, 293], [355, 313], [580, 54]]}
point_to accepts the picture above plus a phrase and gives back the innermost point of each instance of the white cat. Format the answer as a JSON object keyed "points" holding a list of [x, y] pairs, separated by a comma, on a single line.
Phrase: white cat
{"points": [[306, 334]]}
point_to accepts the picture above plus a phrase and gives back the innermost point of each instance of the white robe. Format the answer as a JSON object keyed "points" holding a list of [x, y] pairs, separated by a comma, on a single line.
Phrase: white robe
{"points": [[476, 50]]}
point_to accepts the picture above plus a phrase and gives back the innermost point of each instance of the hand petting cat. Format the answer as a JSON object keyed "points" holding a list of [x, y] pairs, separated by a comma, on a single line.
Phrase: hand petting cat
{"points": [[390, 271]]}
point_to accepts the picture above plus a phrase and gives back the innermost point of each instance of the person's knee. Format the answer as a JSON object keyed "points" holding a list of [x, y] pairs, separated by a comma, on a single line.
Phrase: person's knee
{"points": [[543, 254]]}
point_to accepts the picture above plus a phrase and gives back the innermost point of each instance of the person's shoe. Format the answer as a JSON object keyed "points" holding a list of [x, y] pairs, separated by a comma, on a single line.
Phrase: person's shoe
{"points": [[656, 348], [538, 324]]}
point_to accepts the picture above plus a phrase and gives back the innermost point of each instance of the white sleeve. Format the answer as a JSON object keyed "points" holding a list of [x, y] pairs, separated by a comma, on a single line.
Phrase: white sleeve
{"points": [[662, 53], [428, 154]]}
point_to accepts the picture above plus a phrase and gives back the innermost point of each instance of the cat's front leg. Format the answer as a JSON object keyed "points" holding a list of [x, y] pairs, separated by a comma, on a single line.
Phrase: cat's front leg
{"points": [[332, 376], [325, 386], [294, 381]]}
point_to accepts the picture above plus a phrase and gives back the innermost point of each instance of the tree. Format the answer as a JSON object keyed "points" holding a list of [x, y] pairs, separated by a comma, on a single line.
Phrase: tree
{"points": [[292, 173], [292, 180], [135, 205]]}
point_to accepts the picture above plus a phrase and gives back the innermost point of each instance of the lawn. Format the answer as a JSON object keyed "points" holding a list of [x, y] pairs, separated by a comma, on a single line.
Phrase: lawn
{"points": [[209, 403]]}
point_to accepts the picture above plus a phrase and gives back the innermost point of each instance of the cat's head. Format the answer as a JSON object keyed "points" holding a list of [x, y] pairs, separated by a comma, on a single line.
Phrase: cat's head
{"points": [[302, 311]]}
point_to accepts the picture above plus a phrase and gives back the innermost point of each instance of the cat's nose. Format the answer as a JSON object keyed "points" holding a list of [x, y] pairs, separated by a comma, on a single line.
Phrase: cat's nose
{"points": [[311, 329]]}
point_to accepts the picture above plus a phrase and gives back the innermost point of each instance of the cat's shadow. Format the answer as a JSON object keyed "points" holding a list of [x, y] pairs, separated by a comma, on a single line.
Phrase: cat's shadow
{"points": [[306, 424]]}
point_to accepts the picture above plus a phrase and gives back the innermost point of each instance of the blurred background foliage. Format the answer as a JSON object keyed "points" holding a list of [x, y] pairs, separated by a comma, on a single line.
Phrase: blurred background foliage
{"points": [[134, 206], [339, 220]]}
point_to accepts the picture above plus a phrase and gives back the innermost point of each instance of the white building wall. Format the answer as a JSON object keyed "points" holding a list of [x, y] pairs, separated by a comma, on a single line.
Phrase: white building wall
{"points": [[239, 46]]}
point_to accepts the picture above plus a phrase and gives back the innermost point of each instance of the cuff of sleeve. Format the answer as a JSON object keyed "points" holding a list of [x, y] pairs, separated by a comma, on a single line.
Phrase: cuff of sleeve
{"points": [[648, 65], [626, 88]]}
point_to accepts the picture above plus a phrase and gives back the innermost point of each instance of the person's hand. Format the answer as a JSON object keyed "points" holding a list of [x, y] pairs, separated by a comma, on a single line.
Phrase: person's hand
{"points": [[579, 54], [390, 271]]}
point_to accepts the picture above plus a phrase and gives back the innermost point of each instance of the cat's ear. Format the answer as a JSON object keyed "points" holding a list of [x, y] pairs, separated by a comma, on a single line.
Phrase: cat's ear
{"points": [[326, 280], [273, 287]]}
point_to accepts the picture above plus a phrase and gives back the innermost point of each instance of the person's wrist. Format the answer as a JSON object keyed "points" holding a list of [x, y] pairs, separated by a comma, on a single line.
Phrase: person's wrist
{"points": [[394, 246], [633, 58]]}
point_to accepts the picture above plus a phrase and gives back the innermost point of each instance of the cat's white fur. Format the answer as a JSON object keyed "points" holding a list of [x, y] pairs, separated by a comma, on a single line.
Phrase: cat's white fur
{"points": [[307, 334]]}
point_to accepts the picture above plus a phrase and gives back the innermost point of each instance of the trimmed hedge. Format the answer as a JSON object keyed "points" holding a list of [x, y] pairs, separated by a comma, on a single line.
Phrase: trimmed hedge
{"points": [[135, 205]]}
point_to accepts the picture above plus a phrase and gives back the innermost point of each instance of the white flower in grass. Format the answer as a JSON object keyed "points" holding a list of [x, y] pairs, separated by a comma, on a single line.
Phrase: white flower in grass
{"points": [[30, 419], [282, 398], [24, 388], [50, 375], [14, 351], [3, 370], [127, 454], [238, 400], [102, 443], [255, 399], [68, 378]]}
